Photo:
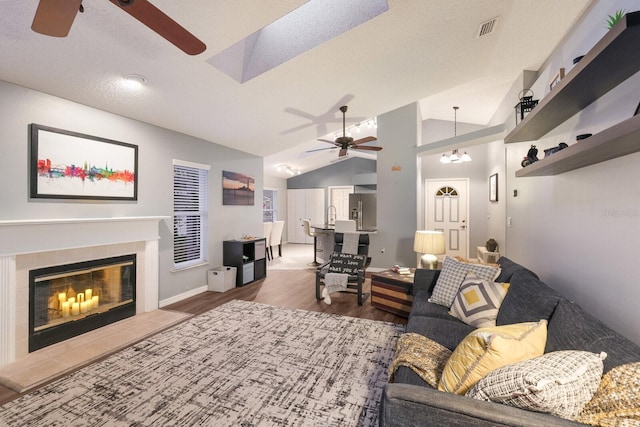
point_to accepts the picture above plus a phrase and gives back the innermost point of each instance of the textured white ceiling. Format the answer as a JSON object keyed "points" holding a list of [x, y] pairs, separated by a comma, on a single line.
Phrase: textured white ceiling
{"points": [[419, 50]]}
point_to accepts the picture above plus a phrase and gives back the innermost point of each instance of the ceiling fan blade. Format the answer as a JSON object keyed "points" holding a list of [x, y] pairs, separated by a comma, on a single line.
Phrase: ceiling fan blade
{"points": [[342, 152], [55, 17], [162, 24], [320, 149], [364, 147], [326, 140], [364, 140]]}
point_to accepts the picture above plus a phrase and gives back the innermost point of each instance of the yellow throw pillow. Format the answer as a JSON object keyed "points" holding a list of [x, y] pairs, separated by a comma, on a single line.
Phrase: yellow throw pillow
{"points": [[486, 349]]}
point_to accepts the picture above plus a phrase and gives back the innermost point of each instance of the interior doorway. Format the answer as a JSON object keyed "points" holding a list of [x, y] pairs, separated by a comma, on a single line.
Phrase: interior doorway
{"points": [[447, 202], [338, 199]]}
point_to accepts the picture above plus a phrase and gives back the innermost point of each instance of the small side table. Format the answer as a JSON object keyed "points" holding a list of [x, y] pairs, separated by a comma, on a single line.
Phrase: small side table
{"points": [[392, 292]]}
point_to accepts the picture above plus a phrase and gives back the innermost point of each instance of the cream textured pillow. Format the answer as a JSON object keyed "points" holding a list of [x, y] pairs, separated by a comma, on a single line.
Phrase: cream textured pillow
{"points": [[478, 301], [451, 276], [422, 355], [487, 349], [559, 383], [617, 400]]}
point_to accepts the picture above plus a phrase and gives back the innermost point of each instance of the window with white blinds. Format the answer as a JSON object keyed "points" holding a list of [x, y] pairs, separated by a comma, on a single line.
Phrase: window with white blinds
{"points": [[190, 213]]}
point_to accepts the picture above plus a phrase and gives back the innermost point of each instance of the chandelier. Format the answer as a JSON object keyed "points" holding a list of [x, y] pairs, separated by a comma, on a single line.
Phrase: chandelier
{"points": [[455, 156]]}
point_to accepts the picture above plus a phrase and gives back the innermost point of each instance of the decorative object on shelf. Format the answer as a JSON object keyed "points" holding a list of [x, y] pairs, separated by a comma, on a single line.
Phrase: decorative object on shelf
{"points": [[552, 150], [493, 188], [583, 136], [455, 156], [429, 243], [556, 79], [237, 189], [71, 165], [526, 103], [613, 19], [491, 245], [637, 110], [532, 157], [577, 59]]}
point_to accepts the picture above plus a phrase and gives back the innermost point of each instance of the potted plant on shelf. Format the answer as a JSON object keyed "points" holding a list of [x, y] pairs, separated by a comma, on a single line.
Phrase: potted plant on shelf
{"points": [[613, 19]]}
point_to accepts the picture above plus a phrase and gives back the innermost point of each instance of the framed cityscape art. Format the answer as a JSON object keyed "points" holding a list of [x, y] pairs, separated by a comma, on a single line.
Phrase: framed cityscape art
{"points": [[71, 165]]}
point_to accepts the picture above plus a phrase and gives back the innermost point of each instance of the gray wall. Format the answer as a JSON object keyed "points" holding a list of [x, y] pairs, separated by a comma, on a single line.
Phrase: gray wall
{"points": [[579, 230], [157, 148]]}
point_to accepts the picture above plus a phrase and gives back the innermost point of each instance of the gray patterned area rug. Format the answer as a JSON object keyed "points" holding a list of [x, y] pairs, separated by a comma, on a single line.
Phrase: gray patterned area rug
{"points": [[241, 364]]}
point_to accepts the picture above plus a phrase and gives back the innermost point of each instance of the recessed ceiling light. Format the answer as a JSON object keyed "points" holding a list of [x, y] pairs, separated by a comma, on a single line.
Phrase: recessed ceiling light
{"points": [[135, 81]]}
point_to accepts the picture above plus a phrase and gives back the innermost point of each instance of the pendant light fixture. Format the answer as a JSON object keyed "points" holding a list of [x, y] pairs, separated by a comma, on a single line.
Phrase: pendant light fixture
{"points": [[455, 156]]}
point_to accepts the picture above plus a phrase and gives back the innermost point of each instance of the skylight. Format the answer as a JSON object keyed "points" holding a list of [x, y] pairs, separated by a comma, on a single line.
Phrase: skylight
{"points": [[308, 26]]}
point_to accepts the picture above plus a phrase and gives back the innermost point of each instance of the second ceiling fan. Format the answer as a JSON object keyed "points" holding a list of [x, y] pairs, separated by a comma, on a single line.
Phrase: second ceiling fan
{"points": [[345, 142]]}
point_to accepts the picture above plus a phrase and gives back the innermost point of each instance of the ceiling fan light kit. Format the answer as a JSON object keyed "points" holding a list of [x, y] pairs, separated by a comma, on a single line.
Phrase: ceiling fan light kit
{"points": [[346, 142]]}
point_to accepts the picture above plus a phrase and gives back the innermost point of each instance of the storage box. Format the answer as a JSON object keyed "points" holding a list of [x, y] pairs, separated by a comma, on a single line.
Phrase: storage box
{"points": [[221, 279], [392, 292]]}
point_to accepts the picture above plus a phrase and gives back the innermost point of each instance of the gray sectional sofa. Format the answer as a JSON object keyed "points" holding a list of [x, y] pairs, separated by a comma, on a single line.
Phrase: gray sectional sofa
{"points": [[410, 401]]}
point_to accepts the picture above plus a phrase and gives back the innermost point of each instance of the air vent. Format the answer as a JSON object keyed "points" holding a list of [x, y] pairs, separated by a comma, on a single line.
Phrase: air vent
{"points": [[488, 27]]}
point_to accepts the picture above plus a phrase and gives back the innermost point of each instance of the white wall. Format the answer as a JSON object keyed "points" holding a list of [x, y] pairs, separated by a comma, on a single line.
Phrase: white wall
{"points": [[157, 147], [579, 230]]}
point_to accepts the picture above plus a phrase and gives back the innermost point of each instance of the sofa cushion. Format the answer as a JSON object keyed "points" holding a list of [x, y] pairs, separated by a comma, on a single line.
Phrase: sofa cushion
{"points": [[478, 300], [422, 307], [571, 328], [423, 356], [617, 400], [451, 276], [508, 267], [448, 332], [486, 349], [528, 300], [559, 383]]}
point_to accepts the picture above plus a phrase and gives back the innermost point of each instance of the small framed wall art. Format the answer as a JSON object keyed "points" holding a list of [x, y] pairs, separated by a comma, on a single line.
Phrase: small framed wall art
{"points": [[556, 79], [237, 189], [71, 165], [493, 188]]}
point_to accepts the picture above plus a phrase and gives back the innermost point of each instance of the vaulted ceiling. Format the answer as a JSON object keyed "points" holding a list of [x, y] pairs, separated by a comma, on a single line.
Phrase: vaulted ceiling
{"points": [[418, 50]]}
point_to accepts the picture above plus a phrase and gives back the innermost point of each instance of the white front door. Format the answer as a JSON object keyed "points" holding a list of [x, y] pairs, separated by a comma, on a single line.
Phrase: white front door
{"points": [[446, 208]]}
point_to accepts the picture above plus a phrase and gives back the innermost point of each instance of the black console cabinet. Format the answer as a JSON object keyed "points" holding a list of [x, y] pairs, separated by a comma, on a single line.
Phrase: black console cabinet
{"points": [[248, 256]]}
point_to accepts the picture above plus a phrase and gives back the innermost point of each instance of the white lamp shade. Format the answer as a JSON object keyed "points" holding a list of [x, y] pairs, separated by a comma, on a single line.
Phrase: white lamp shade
{"points": [[429, 242]]}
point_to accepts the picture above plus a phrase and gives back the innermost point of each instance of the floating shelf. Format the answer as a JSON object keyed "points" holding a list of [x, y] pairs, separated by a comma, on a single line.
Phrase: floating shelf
{"points": [[610, 62], [616, 141]]}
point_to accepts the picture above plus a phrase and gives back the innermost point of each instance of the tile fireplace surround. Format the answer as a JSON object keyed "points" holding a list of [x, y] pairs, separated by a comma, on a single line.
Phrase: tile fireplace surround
{"points": [[31, 244]]}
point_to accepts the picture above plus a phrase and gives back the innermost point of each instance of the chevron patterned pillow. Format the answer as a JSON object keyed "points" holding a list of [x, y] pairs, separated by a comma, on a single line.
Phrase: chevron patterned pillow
{"points": [[451, 276], [478, 301]]}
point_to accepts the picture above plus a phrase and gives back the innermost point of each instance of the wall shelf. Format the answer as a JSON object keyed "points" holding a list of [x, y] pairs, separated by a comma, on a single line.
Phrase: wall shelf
{"points": [[616, 141], [610, 62]]}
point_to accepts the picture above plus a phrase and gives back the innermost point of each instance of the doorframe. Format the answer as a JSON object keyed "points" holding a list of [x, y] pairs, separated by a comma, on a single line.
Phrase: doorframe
{"points": [[467, 180], [332, 187]]}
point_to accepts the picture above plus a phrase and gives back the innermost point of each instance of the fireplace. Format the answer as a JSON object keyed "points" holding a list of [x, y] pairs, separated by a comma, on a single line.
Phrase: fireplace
{"points": [[71, 299]]}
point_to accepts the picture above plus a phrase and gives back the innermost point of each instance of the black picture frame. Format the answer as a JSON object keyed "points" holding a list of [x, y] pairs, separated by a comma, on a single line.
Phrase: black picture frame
{"points": [[493, 188], [71, 165]]}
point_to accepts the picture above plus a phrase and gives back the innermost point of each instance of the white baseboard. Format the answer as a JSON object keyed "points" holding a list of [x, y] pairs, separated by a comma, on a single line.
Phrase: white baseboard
{"points": [[182, 296]]}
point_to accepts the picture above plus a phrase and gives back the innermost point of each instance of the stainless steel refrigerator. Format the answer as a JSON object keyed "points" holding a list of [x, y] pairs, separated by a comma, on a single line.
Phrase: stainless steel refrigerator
{"points": [[363, 209]]}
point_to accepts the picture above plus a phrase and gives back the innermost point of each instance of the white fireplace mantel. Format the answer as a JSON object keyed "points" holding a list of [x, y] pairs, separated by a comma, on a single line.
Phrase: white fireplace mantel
{"points": [[22, 237]]}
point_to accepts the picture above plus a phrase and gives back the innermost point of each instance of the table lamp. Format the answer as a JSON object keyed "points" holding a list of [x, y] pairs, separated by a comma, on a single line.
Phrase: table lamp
{"points": [[429, 243]]}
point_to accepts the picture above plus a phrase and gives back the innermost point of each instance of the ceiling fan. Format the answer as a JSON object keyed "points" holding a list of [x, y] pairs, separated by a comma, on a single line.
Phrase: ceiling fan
{"points": [[345, 142], [54, 18]]}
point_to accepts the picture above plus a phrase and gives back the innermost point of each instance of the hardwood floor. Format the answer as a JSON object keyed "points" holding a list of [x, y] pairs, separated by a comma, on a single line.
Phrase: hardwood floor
{"points": [[284, 288]]}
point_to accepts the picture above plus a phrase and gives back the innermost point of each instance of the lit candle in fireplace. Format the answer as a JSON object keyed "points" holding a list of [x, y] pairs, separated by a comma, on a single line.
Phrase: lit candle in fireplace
{"points": [[85, 306], [71, 301], [75, 308], [88, 293], [80, 297], [65, 309], [94, 301], [62, 297]]}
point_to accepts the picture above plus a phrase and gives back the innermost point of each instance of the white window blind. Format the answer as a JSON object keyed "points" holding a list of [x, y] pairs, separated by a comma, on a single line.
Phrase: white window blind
{"points": [[190, 213]]}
